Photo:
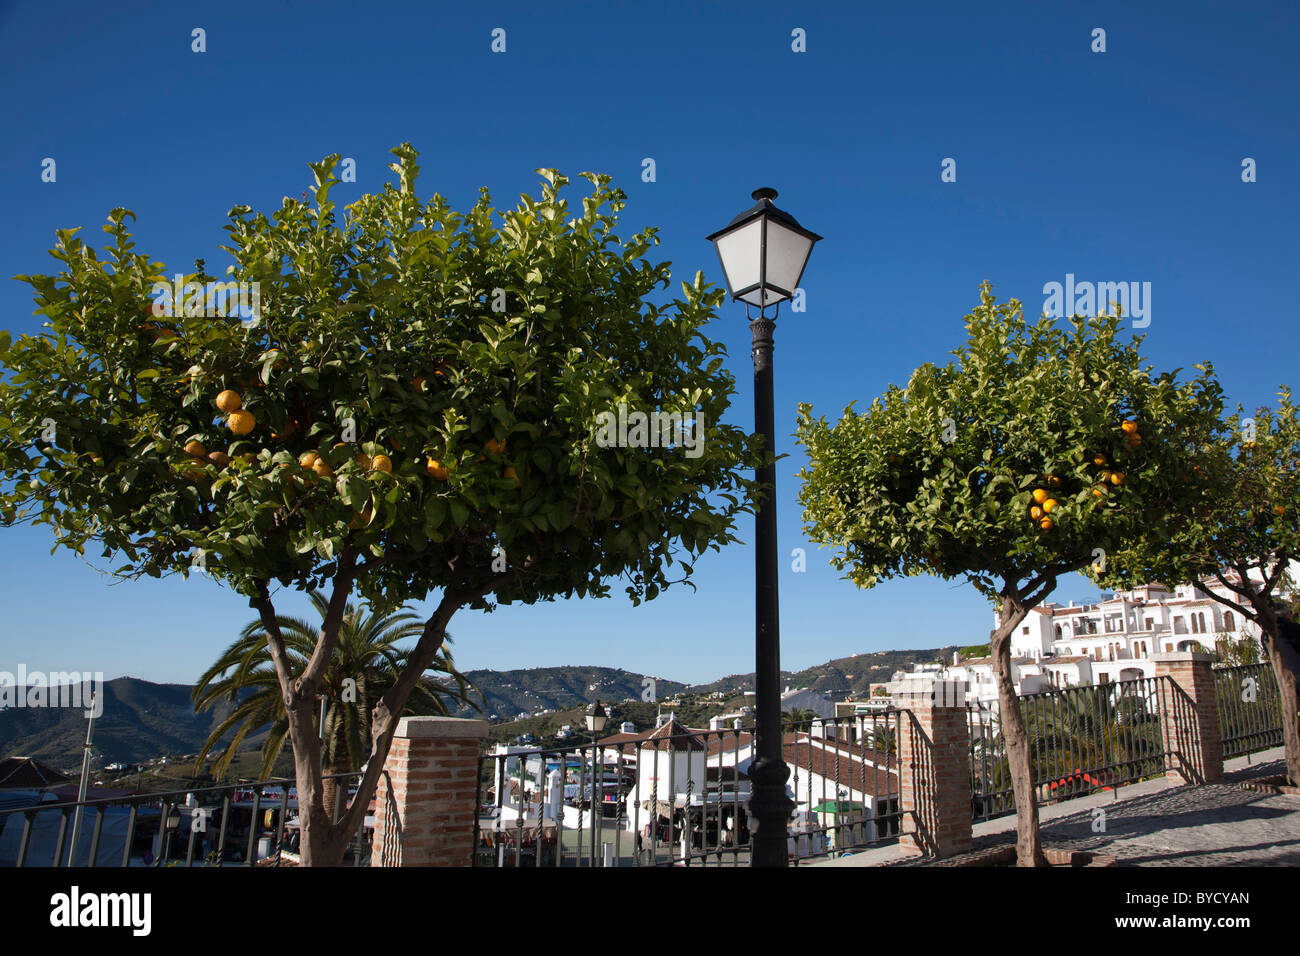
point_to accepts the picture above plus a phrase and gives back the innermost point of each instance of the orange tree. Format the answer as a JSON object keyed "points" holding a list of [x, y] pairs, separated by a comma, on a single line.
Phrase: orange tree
{"points": [[1243, 537], [1008, 467], [412, 412]]}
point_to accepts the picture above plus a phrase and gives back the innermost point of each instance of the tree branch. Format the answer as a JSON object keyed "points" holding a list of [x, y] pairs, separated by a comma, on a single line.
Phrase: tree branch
{"points": [[314, 672], [274, 642], [1248, 613], [386, 713]]}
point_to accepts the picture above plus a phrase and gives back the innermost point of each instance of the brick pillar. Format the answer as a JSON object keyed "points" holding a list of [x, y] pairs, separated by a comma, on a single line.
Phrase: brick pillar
{"points": [[425, 800], [1190, 717], [934, 767]]}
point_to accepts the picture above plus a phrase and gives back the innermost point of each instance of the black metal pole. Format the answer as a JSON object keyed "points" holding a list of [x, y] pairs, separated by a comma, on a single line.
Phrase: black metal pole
{"points": [[769, 805]]}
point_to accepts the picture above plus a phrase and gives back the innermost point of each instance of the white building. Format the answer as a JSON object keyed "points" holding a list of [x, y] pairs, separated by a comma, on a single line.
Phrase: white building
{"points": [[1119, 634], [1111, 640]]}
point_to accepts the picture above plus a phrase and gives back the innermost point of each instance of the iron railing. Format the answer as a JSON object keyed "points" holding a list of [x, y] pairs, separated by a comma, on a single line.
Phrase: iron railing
{"points": [[679, 797], [232, 824], [1250, 708], [1082, 740]]}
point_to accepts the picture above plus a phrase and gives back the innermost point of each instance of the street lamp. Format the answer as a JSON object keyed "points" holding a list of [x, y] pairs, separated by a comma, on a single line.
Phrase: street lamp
{"points": [[596, 718], [763, 252]]}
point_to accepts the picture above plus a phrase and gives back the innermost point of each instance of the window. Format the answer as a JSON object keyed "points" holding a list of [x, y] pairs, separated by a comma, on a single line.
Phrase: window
{"points": [[1169, 647], [1105, 678], [1025, 629], [1227, 621]]}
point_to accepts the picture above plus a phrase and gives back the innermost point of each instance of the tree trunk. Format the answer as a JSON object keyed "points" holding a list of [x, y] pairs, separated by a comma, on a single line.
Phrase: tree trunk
{"points": [[1029, 851], [1280, 638], [1286, 685], [1284, 657], [330, 791], [329, 840], [312, 820]]}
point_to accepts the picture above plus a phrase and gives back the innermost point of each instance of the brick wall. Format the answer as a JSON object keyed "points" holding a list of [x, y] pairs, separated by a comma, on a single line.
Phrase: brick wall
{"points": [[1190, 717], [934, 769], [426, 798]]}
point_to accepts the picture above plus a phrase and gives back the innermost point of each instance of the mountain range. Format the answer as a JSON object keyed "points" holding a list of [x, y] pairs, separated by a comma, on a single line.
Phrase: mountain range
{"points": [[142, 720]]}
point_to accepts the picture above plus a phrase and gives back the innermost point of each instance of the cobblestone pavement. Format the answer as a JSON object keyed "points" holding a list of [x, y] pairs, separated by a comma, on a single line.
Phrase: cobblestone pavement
{"points": [[1158, 825]]}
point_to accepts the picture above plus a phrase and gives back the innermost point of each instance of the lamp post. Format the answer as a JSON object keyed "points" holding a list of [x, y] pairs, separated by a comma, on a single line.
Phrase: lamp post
{"points": [[596, 718], [763, 252]]}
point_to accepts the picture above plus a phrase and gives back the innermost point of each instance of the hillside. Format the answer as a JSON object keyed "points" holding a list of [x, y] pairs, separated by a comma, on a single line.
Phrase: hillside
{"points": [[142, 720], [851, 675], [521, 693]]}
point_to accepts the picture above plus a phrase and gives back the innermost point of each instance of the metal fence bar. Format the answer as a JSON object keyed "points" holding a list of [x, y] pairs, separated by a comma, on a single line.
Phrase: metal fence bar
{"points": [[170, 819], [95, 835], [680, 797], [253, 827], [1249, 708]]}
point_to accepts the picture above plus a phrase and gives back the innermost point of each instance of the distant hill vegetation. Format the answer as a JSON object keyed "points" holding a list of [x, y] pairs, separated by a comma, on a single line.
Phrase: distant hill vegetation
{"points": [[521, 693], [142, 720]]}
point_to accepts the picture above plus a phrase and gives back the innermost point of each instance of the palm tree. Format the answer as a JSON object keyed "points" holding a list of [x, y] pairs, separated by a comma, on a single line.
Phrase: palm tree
{"points": [[797, 719], [882, 739], [365, 664]]}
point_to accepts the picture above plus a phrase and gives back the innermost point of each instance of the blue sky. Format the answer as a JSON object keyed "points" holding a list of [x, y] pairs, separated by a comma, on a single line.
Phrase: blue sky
{"points": [[1115, 166]]}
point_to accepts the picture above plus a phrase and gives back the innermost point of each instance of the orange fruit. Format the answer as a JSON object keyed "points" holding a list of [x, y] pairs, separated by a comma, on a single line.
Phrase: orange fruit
{"points": [[435, 470], [1279, 510], [219, 458], [382, 463], [230, 401], [1036, 512], [1134, 441], [494, 446], [308, 459], [322, 468], [241, 422], [1117, 478], [362, 518], [1130, 427], [1040, 495], [418, 382], [363, 461], [1053, 481], [1099, 492], [1046, 524], [195, 449], [510, 473], [1049, 504], [1099, 459]]}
